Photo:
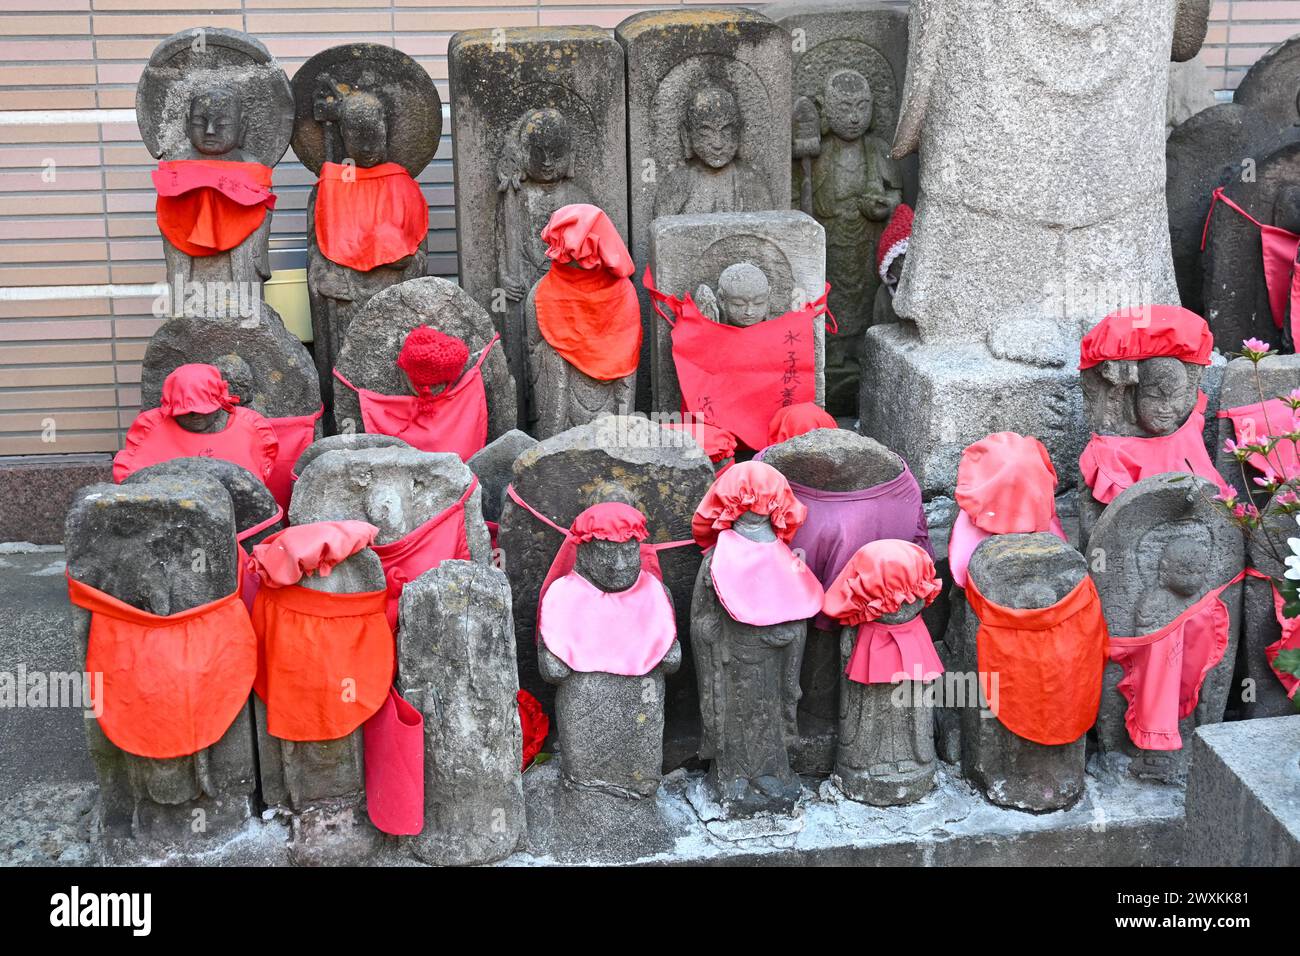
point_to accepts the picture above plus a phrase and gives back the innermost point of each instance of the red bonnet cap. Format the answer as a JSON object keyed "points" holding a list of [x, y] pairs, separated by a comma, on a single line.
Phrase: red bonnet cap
{"points": [[1006, 484], [195, 388], [1147, 332], [748, 486], [582, 233], [880, 578]]}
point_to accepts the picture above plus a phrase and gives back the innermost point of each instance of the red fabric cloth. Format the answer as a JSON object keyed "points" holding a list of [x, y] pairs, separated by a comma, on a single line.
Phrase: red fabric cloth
{"points": [[533, 723], [1111, 463], [207, 206], [1048, 663], [738, 378], [439, 539], [247, 440], [792, 420], [293, 434], [1006, 484], [607, 521], [1289, 641], [1270, 420], [394, 742], [286, 557], [888, 653], [195, 388], [718, 443], [429, 357], [172, 684], [881, 577], [455, 420], [1164, 670], [1278, 249], [893, 241], [1150, 331], [747, 486], [590, 314], [367, 217]]}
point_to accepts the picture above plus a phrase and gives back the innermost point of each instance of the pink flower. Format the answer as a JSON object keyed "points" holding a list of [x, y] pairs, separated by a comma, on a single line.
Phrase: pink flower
{"points": [[1245, 512], [1269, 479], [1248, 433], [1228, 497], [1287, 498], [1254, 345]]}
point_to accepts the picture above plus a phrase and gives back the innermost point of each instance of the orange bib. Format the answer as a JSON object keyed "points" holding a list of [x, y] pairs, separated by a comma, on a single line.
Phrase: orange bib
{"points": [[1048, 663], [209, 206], [369, 217], [171, 685], [324, 661]]}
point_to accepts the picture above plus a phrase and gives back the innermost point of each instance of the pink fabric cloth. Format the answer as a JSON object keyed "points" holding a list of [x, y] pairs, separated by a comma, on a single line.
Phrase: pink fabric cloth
{"points": [[881, 578], [394, 749], [965, 538], [1111, 463], [294, 434], [1273, 419], [195, 388], [1006, 484], [1164, 670], [841, 522], [1289, 641], [622, 632], [283, 559], [885, 653], [762, 582], [1146, 332]]}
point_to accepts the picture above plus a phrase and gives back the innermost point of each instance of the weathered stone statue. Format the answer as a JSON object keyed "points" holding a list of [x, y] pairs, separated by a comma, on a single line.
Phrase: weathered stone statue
{"points": [[607, 637], [368, 120], [1141, 376], [493, 465], [257, 514], [456, 663], [749, 619], [706, 88], [214, 107], [885, 751], [539, 122], [164, 547], [745, 271], [628, 459], [1172, 596], [1073, 235], [583, 325], [1033, 621]]}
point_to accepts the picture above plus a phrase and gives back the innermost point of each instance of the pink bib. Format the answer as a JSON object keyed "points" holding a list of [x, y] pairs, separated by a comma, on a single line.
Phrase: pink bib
{"points": [[455, 420], [1111, 463], [762, 582], [966, 537], [294, 435], [1278, 248], [154, 436], [625, 632], [1163, 671], [885, 653], [394, 742], [1272, 419]]}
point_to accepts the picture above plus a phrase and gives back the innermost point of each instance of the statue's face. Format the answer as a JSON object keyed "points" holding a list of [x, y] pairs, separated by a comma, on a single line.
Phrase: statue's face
{"points": [[1182, 567], [385, 505], [848, 104], [216, 123], [904, 613], [201, 422], [754, 526], [364, 129], [713, 125], [548, 146], [1161, 395], [610, 565], [743, 295]]}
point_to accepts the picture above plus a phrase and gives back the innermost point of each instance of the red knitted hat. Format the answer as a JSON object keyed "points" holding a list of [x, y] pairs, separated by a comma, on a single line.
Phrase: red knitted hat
{"points": [[430, 357], [893, 241]]}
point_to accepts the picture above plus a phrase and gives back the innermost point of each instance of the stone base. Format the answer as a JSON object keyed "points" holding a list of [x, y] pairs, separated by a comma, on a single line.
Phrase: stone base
{"points": [[928, 402], [37, 489], [1243, 794]]}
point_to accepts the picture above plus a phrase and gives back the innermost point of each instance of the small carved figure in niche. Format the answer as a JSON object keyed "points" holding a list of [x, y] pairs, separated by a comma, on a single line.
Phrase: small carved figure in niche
{"points": [[885, 751], [583, 324], [607, 636], [855, 189], [713, 178], [742, 298], [1180, 578], [891, 254], [749, 616]]}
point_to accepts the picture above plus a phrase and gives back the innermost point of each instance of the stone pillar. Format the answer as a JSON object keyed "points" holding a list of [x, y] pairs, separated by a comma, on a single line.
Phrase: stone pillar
{"points": [[456, 665]]}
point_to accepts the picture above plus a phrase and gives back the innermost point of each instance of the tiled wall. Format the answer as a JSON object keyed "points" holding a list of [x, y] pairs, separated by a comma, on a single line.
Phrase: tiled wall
{"points": [[76, 202]]}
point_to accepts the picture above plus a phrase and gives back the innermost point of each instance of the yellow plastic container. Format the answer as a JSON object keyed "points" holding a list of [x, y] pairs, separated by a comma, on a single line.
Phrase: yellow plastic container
{"points": [[286, 292]]}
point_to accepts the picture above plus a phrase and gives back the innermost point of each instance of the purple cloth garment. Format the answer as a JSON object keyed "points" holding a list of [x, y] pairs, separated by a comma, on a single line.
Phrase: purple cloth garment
{"points": [[840, 522]]}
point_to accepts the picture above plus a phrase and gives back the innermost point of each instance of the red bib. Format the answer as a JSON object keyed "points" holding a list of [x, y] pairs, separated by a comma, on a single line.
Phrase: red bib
{"points": [[1164, 670], [736, 378], [325, 661], [394, 741], [455, 420], [1272, 419], [374, 216], [247, 440], [441, 538], [206, 206], [293, 435], [887, 653], [171, 685], [1048, 663], [1279, 253]]}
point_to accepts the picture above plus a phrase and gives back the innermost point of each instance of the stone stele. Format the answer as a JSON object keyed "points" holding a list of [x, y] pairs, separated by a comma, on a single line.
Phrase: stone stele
{"points": [[137, 543], [252, 502], [708, 107], [494, 464], [456, 665], [538, 122], [1165, 544], [690, 251]]}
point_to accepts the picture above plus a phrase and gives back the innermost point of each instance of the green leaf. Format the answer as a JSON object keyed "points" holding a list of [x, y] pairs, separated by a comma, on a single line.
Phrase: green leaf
{"points": [[1288, 662], [1290, 591]]}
